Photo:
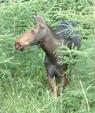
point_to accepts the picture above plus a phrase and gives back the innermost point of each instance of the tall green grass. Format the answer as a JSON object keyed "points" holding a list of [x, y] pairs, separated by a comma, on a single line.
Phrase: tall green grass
{"points": [[23, 83]]}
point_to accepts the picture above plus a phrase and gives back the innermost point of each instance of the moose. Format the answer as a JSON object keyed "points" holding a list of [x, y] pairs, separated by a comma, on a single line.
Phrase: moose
{"points": [[49, 40]]}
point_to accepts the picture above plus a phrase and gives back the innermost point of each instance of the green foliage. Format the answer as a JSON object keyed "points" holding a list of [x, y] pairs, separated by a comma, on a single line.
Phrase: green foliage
{"points": [[23, 83]]}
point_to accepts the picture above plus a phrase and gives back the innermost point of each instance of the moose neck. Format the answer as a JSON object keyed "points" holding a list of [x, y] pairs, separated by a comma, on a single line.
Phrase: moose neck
{"points": [[49, 45]]}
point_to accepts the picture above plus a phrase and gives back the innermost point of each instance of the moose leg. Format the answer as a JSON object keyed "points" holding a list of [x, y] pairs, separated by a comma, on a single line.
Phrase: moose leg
{"points": [[53, 86], [64, 82]]}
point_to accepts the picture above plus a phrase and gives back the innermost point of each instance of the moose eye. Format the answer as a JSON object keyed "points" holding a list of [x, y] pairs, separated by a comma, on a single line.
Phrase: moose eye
{"points": [[33, 31]]}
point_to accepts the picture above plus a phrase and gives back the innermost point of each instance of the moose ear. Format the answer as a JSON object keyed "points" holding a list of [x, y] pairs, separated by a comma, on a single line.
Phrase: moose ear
{"points": [[39, 19]]}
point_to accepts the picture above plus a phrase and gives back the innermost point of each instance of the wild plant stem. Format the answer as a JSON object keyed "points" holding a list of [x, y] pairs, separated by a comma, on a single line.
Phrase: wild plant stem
{"points": [[85, 96]]}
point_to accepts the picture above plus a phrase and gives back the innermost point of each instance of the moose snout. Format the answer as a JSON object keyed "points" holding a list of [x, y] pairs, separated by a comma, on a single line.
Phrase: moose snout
{"points": [[18, 46]]}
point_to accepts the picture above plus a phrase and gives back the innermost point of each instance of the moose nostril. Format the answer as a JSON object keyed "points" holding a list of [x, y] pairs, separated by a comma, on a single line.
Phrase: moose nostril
{"points": [[16, 45]]}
